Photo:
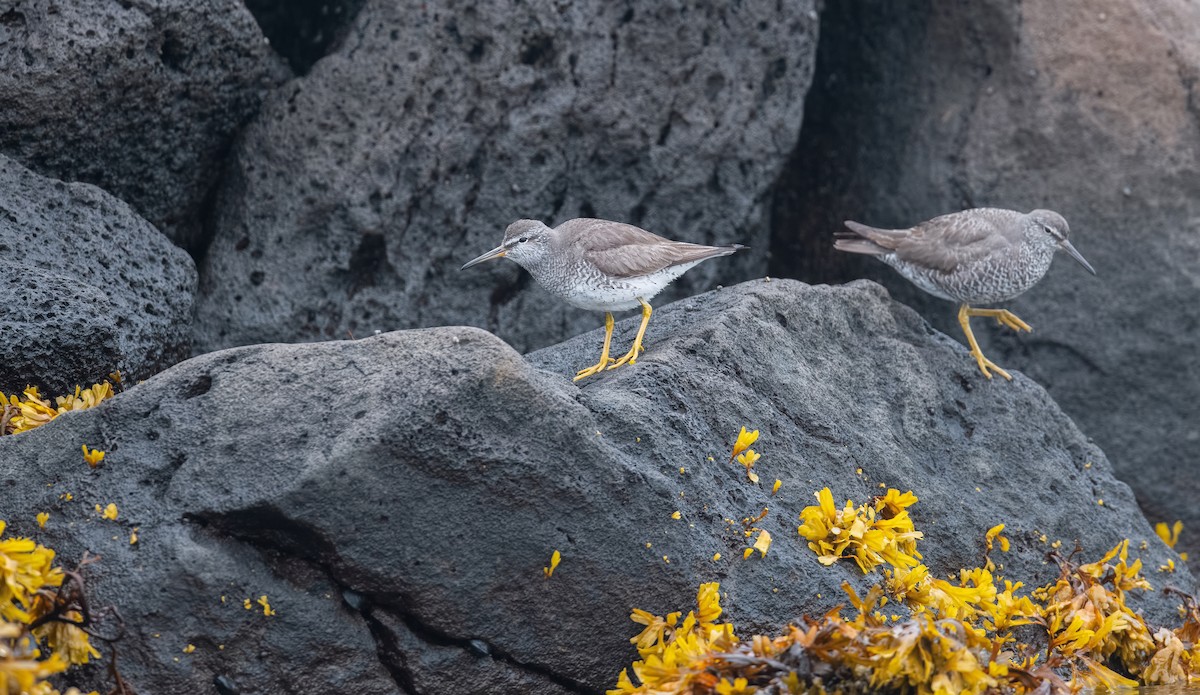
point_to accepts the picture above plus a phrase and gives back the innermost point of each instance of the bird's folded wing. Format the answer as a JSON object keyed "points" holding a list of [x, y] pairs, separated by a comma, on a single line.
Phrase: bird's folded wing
{"points": [[944, 243], [635, 260], [623, 250]]}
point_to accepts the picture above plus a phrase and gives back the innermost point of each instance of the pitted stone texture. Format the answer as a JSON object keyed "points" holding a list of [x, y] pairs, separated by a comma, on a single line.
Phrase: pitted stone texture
{"points": [[140, 97], [54, 326], [361, 188], [1091, 109], [91, 287], [396, 497]]}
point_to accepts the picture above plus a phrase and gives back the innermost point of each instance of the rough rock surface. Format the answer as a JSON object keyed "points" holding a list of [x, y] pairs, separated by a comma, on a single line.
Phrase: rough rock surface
{"points": [[396, 497], [362, 187], [88, 286], [1088, 108], [140, 97]]}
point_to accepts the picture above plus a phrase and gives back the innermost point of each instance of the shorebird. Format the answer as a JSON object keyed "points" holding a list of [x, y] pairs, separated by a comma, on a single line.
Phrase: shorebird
{"points": [[601, 266], [978, 256]]}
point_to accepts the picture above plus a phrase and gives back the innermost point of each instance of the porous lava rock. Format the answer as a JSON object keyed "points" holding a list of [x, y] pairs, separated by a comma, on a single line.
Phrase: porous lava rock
{"points": [[140, 97], [89, 287], [395, 498], [362, 187]]}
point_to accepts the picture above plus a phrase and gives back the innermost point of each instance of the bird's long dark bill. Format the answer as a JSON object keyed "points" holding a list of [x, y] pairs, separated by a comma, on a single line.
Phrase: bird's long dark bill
{"points": [[1066, 247], [497, 252]]}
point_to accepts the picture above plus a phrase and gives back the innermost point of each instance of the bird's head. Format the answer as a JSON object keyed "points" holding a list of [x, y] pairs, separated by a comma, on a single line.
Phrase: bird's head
{"points": [[525, 241], [1048, 229]]}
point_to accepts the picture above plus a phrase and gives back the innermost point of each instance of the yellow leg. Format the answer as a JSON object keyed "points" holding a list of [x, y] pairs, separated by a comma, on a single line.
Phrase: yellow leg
{"points": [[604, 358], [631, 356], [964, 319], [1003, 317]]}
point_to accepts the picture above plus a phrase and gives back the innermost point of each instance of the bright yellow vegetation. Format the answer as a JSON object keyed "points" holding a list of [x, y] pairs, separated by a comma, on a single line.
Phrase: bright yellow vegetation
{"points": [[744, 440], [29, 410], [871, 534], [1170, 536], [266, 606], [39, 636], [677, 657], [975, 633], [555, 558], [744, 454], [762, 543], [92, 456]]}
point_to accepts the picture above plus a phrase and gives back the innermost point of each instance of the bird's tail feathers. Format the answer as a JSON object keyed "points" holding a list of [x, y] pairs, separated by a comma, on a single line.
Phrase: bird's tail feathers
{"points": [[865, 239], [718, 251], [859, 245], [861, 229]]}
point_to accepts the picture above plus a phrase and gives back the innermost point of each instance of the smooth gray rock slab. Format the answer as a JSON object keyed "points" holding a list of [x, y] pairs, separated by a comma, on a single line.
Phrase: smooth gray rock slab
{"points": [[396, 497], [89, 287], [140, 97], [361, 188]]}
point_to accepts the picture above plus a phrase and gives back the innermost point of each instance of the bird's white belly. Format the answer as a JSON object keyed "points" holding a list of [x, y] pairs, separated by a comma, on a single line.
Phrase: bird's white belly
{"points": [[989, 281], [600, 293]]}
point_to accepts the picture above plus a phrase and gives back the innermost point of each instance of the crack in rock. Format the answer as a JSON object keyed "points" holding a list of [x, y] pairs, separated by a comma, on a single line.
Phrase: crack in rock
{"points": [[271, 533]]}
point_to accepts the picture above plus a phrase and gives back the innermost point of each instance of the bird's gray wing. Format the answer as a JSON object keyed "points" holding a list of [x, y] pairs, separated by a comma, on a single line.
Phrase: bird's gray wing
{"points": [[947, 242], [623, 250]]}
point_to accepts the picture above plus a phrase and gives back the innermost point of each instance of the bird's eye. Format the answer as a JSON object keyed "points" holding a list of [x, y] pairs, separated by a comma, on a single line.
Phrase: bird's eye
{"points": [[523, 239]]}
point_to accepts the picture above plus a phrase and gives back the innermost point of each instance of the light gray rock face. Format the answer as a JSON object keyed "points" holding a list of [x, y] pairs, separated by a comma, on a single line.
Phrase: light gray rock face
{"points": [[1087, 108], [89, 287], [361, 188], [397, 497], [140, 97]]}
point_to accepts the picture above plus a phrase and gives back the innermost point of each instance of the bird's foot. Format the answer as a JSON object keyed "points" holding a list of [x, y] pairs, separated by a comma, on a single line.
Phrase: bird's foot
{"points": [[629, 357], [985, 364], [594, 369], [1011, 320], [1003, 317]]}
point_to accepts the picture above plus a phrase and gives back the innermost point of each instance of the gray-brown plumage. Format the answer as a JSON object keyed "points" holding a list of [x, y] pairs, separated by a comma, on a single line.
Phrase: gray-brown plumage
{"points": [[602, 266], [978, 256]]}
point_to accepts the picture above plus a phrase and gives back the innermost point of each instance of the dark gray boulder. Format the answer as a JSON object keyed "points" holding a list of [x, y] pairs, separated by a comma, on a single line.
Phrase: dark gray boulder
{"points": [[1087, 108], [140, 97], [361, 188], [57, 332], [89, 287], [396, 497]]}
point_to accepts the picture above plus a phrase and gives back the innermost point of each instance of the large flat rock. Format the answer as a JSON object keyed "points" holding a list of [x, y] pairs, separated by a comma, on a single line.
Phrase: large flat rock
{"points": [[396, 497], [1087, 108], [362, 187]]}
